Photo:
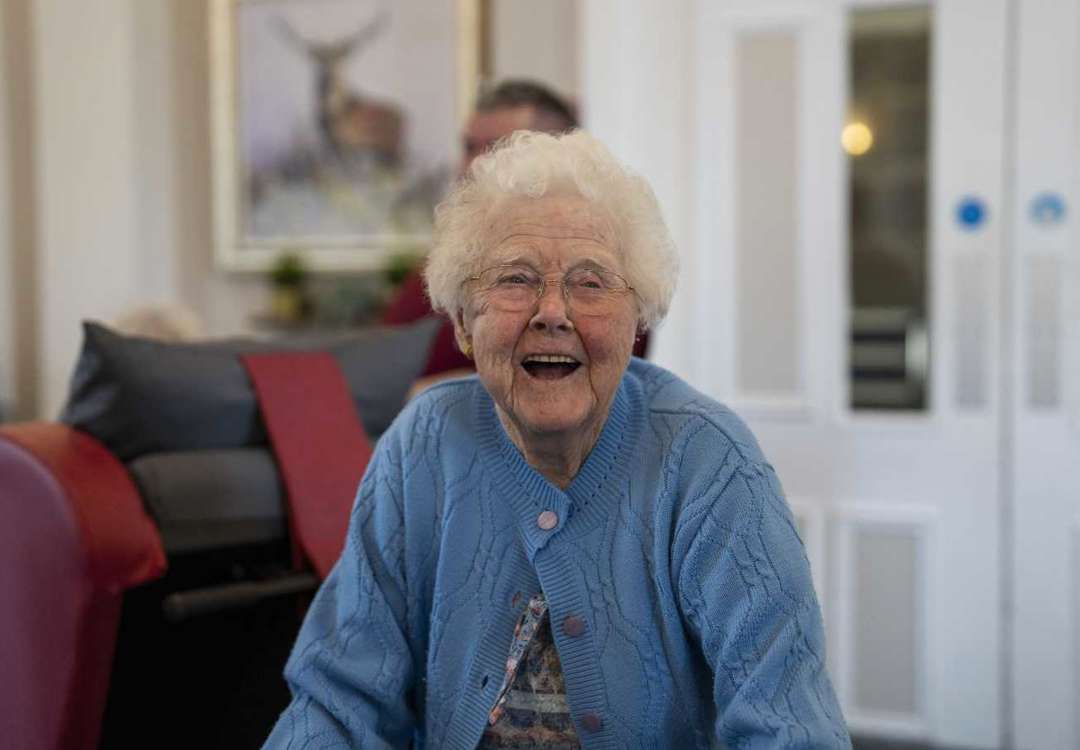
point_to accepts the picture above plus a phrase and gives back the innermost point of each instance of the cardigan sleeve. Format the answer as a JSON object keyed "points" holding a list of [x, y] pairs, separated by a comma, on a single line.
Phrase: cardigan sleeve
{"points": [[351, 672], [748, 598]]}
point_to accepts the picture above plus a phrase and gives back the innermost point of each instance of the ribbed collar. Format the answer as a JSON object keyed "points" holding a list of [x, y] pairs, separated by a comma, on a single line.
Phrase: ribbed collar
{"points": [[595, 491]]}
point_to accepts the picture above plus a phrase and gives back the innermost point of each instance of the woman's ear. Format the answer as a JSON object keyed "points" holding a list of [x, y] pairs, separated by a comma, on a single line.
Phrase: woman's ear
{"points": [[461, 333]]}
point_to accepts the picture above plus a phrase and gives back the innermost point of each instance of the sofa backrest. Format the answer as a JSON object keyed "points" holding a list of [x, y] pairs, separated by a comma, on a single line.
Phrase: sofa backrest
{"points": [[141, 396]]}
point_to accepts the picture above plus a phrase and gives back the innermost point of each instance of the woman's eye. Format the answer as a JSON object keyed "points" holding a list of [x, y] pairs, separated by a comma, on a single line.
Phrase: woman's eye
{"points": [[514, 279], [587, 281]]}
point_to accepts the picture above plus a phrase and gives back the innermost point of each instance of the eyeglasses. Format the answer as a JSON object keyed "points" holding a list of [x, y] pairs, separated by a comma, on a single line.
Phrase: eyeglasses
{"points": [[588, 290]]}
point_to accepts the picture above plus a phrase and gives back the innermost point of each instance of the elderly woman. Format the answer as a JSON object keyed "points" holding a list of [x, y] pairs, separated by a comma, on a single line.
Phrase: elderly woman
{"points": [[573, 548]]}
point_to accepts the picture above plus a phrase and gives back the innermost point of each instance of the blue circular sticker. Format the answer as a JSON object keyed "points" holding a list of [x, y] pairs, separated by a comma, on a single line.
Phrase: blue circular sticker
{"points": [[970, 213], [1047, 208]]}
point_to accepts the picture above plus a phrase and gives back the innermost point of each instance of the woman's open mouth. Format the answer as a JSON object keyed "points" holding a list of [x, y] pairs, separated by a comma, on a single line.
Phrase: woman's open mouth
{"points": [[549, 366]]}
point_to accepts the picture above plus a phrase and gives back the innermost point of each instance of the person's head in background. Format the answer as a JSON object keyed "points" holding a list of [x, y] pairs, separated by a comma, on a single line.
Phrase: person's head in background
{"points": [[513, 105]]}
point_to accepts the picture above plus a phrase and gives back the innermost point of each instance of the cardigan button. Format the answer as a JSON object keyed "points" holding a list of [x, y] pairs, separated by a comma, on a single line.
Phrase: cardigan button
{"points": [[573, 626], [592, 722], [547, 520]]}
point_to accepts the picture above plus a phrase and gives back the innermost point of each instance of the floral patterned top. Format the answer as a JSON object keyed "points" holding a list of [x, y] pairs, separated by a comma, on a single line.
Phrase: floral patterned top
{"points": [[531, 710]]}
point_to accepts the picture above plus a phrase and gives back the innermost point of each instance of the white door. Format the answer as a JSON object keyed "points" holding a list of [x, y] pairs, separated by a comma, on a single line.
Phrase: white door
{"points": [[900, 508], [1044, 492]]}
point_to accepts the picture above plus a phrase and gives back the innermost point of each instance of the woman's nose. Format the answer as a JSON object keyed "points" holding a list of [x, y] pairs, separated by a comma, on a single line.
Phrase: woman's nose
{"points": [[552, 313]]}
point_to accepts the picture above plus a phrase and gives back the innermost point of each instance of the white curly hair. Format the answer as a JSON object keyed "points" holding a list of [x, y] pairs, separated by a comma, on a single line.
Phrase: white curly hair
{"points": [[531, 164]]}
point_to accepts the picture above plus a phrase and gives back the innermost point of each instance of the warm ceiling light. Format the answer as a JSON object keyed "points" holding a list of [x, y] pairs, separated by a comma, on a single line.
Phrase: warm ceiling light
{"points": [[857, 138]]}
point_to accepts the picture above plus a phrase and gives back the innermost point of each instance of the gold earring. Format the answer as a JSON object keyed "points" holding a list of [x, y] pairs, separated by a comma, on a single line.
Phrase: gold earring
{"points": [[466, 349]]}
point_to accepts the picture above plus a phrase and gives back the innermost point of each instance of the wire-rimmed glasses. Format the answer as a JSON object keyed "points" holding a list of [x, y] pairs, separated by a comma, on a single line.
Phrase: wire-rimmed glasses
{"points": [[514, 287]]}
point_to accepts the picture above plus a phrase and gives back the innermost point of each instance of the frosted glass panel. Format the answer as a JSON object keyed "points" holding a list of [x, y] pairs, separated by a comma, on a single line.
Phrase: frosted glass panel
{"points": [[886, 620], [766, 167], [972, 344], [1044, 332]]}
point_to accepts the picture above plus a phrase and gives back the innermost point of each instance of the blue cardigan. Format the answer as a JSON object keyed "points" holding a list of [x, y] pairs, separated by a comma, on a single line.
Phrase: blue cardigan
{"points": [[674, 545]]}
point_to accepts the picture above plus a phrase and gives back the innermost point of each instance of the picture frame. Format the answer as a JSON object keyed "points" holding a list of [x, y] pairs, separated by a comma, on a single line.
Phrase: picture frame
{"points": [[335, 126]]}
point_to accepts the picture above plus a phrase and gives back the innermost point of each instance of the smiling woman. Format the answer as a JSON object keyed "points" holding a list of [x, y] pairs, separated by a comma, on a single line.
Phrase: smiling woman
{"points": [[522, 216], [573, 548], [551, 342]]}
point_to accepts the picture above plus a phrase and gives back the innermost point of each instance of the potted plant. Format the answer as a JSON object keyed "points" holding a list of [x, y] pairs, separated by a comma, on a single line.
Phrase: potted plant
{"points": [[288, 275]]}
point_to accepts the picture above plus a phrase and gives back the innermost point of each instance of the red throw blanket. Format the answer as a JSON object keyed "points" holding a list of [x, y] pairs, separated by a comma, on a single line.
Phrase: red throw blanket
{"points": [[319, 443]]}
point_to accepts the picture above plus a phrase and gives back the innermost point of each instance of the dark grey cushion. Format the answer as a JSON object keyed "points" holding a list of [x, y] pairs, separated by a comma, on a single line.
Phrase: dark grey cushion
{"points": [[141, 396], [212, 499]]}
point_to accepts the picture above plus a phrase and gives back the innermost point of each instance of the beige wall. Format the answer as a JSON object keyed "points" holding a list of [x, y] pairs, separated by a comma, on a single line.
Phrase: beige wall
{"points": [[7, 289], [104, 182], [18, 224], [172, 98], [84, 162]]}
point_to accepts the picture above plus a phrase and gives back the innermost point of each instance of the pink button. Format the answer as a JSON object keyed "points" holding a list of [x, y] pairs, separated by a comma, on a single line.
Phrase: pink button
{"points": [[592, 723], [573, 626], [547, 520]]}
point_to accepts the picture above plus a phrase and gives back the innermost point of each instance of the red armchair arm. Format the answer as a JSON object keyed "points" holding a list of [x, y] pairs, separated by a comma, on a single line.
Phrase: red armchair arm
{"points": [[73, 536]]}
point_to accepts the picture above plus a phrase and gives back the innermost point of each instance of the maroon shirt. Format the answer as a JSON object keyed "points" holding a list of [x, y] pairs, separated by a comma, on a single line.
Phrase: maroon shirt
{"points": [[410, 304]]}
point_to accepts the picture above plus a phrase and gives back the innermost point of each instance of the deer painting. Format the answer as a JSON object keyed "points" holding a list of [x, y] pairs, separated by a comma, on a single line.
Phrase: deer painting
{"points": [[349, 122]]}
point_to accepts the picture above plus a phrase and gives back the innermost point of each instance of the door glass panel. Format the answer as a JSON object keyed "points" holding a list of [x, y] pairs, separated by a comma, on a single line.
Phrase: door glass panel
{"points": [[886, 137]]}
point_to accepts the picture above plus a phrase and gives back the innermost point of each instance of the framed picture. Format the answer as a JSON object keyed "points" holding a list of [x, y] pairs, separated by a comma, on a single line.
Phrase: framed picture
{"points": [[335, 125]]}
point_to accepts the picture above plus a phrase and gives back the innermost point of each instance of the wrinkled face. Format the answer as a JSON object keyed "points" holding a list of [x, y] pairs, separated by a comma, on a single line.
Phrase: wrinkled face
{"points": [[549, 368]]}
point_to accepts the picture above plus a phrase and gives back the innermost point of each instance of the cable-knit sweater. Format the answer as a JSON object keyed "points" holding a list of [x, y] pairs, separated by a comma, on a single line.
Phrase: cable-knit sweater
{"points": [[680, 595]]}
